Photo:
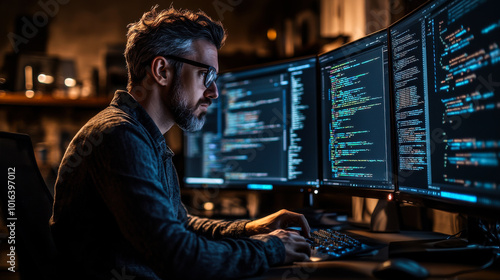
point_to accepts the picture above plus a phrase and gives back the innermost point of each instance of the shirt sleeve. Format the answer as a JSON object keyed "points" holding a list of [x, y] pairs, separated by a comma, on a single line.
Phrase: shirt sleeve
{"points": [[217, 229], [130, 185]]}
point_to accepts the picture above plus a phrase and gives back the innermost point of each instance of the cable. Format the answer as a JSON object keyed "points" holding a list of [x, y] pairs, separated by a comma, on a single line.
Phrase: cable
{"points": [[484, 266], [456, 234]]}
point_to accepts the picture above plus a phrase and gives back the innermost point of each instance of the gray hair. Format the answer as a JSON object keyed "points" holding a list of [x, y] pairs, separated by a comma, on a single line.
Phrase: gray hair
{"points": [[169, 32]]}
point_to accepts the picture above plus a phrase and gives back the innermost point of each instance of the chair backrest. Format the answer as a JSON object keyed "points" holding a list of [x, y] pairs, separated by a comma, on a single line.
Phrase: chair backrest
{"points": [[26, 206]]}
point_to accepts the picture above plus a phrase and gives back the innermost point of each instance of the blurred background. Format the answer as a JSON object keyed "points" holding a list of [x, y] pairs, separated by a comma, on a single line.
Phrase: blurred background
{"points": [[62, 60]]}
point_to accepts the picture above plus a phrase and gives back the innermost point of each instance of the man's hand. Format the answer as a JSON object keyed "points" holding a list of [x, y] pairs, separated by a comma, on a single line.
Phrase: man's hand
{"points": [[279, 220], [296, 247]]}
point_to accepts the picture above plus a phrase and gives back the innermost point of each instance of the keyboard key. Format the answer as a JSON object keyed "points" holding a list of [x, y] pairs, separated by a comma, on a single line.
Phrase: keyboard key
{"points": [[328, 244]]}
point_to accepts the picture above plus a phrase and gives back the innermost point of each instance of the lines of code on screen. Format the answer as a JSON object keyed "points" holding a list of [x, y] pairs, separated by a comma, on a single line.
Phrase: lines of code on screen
{"points": [[269, 128], [464, 101], [356, 117]]}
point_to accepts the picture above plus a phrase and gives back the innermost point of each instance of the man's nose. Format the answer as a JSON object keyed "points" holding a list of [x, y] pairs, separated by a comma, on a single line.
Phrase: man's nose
{"points": [[212, 92]]}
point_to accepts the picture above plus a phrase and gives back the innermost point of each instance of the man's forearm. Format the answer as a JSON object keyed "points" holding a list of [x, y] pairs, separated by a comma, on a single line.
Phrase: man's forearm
{"points": [[217, 229]]}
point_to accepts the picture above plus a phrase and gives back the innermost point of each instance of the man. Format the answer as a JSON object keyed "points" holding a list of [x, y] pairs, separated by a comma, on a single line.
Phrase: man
{"points": [[117, 210]]}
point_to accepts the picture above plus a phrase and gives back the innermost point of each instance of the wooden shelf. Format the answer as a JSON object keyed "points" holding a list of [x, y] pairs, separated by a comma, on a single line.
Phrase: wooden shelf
{"points": [[18, 99]]}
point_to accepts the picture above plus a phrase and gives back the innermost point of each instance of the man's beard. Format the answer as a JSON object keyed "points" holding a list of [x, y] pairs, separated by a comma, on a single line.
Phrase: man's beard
{"points": [[184, 116]]}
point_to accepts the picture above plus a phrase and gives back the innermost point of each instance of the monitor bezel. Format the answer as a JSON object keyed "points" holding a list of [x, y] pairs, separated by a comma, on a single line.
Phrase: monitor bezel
{"points": [[380, 193], [267, 185], [448, 205], [423, 200]]}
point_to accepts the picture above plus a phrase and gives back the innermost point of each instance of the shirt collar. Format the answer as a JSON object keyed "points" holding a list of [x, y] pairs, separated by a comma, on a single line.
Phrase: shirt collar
{"points": [[124, 101]]}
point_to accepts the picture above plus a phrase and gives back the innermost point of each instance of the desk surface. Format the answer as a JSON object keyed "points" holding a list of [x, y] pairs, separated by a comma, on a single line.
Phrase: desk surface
{"points": [[362, 268]]}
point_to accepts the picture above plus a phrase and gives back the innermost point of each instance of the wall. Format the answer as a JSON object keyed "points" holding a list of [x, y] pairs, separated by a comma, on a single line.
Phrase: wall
{"points": [[85, 31]]}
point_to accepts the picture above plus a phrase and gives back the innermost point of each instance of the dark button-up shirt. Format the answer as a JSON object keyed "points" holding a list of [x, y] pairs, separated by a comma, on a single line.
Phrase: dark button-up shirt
{"points": [[117, 209]]}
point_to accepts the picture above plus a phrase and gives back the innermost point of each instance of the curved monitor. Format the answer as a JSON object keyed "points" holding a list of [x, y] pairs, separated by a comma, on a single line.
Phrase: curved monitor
{"points": [[262, 132], [355, 118], [446, 67]]}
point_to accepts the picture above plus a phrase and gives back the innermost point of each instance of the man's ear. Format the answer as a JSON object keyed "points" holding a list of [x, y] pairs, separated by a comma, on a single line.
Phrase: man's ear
{"points": [[161, 70]]}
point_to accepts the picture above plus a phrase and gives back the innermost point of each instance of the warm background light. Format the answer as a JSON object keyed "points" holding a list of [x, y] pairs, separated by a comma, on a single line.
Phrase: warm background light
{"points": [[30, 94], [45, 79], [272, 34], [69, 82], [209, 206]]}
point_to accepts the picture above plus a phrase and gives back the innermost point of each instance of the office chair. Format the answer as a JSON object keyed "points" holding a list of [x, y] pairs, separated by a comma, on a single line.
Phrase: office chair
{"points": [[29, 210]]}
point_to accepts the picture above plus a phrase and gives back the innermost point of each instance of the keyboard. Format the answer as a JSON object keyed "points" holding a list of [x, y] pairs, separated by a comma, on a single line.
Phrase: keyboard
{"points": [[329, 244]]}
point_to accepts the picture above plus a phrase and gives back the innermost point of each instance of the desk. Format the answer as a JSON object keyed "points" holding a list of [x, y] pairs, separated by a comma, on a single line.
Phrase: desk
{"points": [[362, 268]]}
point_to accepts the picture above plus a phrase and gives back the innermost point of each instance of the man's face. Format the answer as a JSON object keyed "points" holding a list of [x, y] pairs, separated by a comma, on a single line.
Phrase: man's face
{"points": [[191, 98]]}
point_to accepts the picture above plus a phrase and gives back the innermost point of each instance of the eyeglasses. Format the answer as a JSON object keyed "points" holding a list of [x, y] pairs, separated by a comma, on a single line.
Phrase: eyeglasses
{"points": [[211, 75]]}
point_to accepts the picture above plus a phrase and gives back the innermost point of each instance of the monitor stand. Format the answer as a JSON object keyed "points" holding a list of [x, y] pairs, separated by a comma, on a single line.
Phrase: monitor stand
{"points": [[312, 214], [482, 231], [315, 216], [385, 217], [442, 250], [376, 215], [480, 244]]}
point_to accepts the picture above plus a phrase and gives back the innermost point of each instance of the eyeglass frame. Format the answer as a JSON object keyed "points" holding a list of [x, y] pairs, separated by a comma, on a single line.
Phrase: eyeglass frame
{"points": [[211, 69]]}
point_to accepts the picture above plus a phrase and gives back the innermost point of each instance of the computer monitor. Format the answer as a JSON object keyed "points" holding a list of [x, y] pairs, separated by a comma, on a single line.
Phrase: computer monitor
{"points": [[446, 69], [355, 118], [202, 163], [263, 131]]}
